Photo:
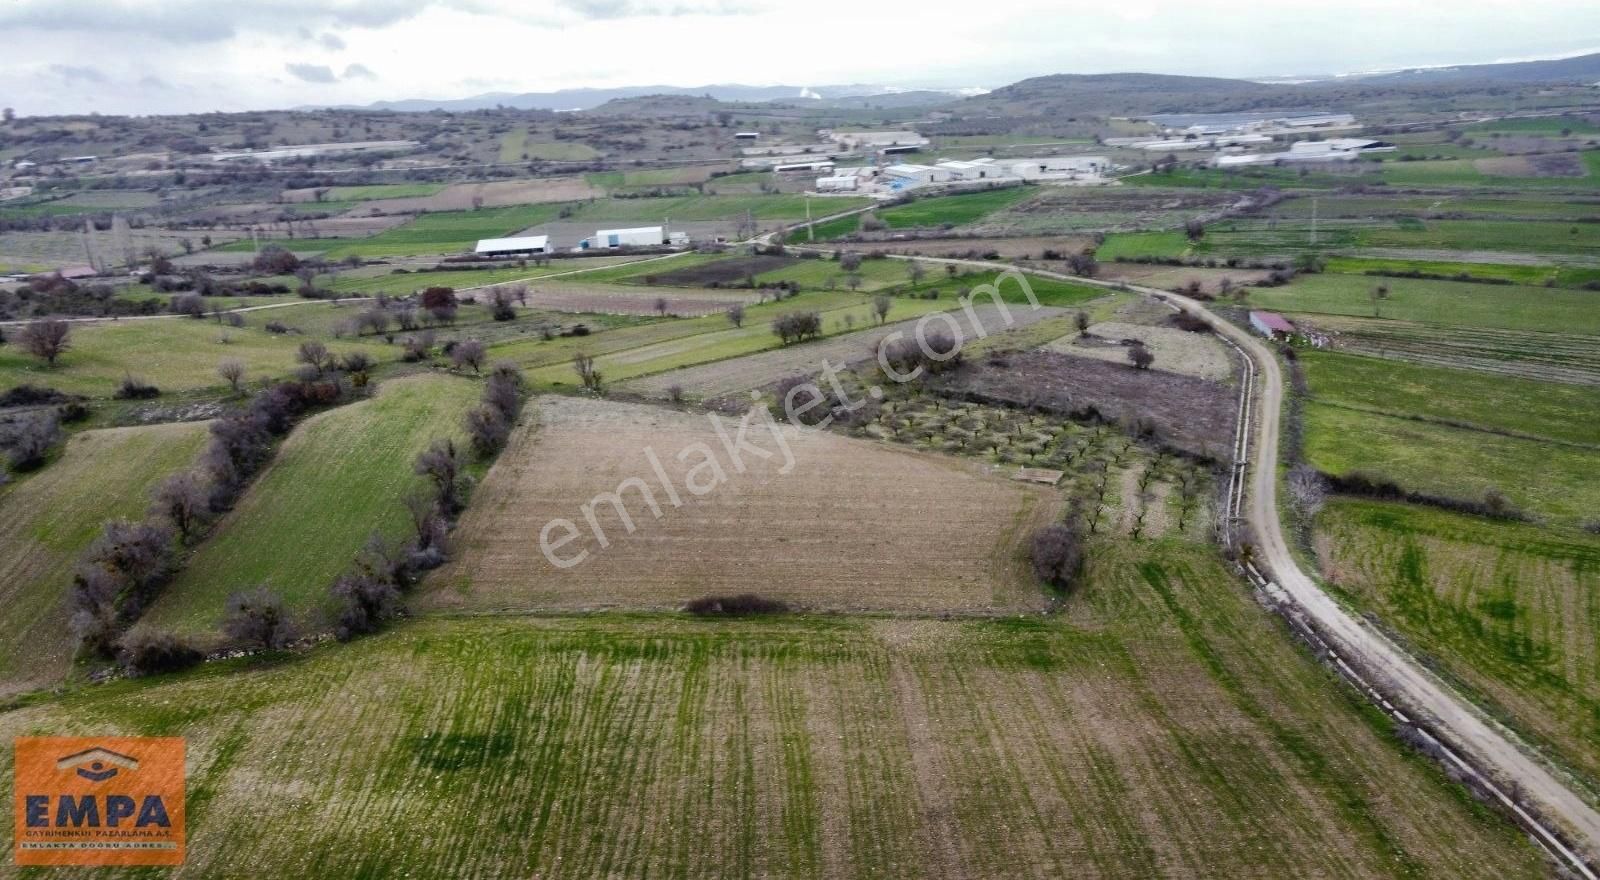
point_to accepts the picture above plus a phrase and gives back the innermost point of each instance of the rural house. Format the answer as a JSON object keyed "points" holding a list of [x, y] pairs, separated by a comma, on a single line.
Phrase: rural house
{"points": [[1271, 325]]}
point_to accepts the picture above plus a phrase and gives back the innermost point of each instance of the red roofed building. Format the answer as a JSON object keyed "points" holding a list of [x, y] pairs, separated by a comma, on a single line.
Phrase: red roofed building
{"points": [[1271, 325]]}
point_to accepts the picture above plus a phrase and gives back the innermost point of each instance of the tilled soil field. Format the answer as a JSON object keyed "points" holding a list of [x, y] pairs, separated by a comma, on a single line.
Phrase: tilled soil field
{"points": [[823, 522], [1195, 415]]}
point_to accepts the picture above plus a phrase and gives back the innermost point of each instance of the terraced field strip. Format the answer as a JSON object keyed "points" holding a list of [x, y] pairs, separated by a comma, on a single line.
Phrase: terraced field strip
{"points": [[1163, 728], [337, 479], [49, 518], [171, 353], [1448, 303], [1508, 609], [727, 377], [719, 340], [1532, 355]]}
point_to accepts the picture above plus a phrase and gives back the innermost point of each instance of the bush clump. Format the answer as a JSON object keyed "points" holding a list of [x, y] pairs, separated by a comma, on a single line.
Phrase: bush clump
{"points": [[742, 605]]}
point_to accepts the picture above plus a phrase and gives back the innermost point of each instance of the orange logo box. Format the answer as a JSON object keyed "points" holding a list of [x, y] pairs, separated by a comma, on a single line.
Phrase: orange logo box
{"points": [[113, 800]]}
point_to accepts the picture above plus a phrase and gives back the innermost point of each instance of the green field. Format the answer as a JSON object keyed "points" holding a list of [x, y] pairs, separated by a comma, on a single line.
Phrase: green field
{"points": [[338, 478], [516, 147], [1538, 275], [1537, 125], [1545, 410], [406, 283], [1542, 478], [764, 208], [1163, 726], [1506, 608], [49, 518], [375, 191], [1453, 303], [447, 231], [1129, 245], [1463, 172], [174, 354]]}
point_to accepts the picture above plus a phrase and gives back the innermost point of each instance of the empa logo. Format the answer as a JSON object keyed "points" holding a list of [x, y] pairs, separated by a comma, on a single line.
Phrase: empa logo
{"points": [[99, 801], [97, 764]]}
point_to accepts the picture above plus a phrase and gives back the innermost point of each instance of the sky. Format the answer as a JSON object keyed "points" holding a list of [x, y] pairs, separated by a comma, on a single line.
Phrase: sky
{"points": [[182, 56]]}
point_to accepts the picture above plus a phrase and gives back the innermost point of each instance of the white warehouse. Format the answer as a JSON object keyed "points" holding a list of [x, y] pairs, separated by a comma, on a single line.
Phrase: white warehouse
{"points": [[522, 246], [640, 236]]}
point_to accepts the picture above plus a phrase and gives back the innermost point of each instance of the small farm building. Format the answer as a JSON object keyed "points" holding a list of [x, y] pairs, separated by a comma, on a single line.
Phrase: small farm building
{"points": [[524, 246]]}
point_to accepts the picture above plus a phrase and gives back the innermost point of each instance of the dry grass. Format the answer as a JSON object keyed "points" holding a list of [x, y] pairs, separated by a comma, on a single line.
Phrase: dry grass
{"points": [[1176, 351], [853, 525], [497, 194]]}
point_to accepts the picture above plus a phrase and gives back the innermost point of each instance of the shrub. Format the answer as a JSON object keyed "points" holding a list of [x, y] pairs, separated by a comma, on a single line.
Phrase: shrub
{"points": [[151, 652], [30, 395], [797, 326], [257, 620], [28, 441], [742, 605], [274, 260], [188, 304], [487, 430], [46, 340], [134, 388], [365, 602], [1056, 552], [468, 353]]}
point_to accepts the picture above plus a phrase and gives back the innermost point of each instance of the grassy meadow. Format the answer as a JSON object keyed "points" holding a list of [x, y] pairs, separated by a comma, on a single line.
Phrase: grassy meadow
{"points": [[1455, 303], [1508, 609], [47, 520], [337, 479], [1162, 726]]}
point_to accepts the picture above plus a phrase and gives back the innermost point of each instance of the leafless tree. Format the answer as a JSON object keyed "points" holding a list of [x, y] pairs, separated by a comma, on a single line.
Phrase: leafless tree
{"points": [[441, 464], [232, 372], [313, 354], [47, 340], [916, 272], [1081, 321], [661, 306], [468, 353], [185, 500], [588, 374], [880, 307], [28, 440], [850, 261], [1140, 357], [257, 620], [1308, 490], [736, 314], [1056, 552], [853, 281]]}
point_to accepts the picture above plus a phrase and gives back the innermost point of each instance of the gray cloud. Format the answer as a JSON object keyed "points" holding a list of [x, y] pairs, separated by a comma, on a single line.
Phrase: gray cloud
{"points": [[311, 73], [331, 42], [78, 74], [359, 71], [198, 21]]}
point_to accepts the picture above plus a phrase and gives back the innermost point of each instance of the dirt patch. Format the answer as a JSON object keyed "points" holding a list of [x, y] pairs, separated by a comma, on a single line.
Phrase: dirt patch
{"points": [[462, 196], [847, 525], [1176, 351], [724, 271], [1194, 415], [1539, 165]]}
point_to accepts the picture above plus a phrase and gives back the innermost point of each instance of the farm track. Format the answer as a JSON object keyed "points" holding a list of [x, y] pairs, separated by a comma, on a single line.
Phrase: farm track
{"points": [[1488, 747]]}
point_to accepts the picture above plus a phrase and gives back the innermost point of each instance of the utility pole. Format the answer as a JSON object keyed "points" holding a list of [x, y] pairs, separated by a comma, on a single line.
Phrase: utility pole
{"points": [[811, 233], [1313, 221]]}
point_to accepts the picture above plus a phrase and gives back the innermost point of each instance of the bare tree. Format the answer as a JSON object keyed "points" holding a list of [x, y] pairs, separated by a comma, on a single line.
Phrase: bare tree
{"points": [[47, 340], [1081, 321], [257, 620], [1140, 357], [916, 272], [736, 314], [853, 281], [850, 261], [588, 374], [313, 354], [1056, 552], [184, 499], [1308, 490], [441, 464], [880, 307], [468, 353], [232, 372], [1378, 294], [661, 306], [28, 440]]}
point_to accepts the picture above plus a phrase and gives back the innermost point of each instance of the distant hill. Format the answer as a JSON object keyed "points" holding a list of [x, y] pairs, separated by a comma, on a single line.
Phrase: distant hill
{"points": [[588, 99], [1124, 94], [1581, 69]]}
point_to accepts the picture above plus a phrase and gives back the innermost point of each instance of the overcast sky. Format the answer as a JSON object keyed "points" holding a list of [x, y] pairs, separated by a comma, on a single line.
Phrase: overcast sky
{"points": [[132, 56]]}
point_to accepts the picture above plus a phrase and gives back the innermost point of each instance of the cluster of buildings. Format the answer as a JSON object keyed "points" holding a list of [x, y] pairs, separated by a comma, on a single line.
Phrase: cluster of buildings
{"points": [[1331, 150], [604, 239], [906, 176], [829, 146]]}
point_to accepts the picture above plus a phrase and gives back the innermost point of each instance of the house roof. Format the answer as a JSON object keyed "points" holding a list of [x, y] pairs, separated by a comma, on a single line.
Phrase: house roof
{"points": [[605, 232], [1272, 321], [522, 243]]}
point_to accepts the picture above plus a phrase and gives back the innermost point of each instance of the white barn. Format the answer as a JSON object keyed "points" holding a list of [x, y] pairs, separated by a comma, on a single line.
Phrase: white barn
{"points": [[640, 236], [521, 246]]}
